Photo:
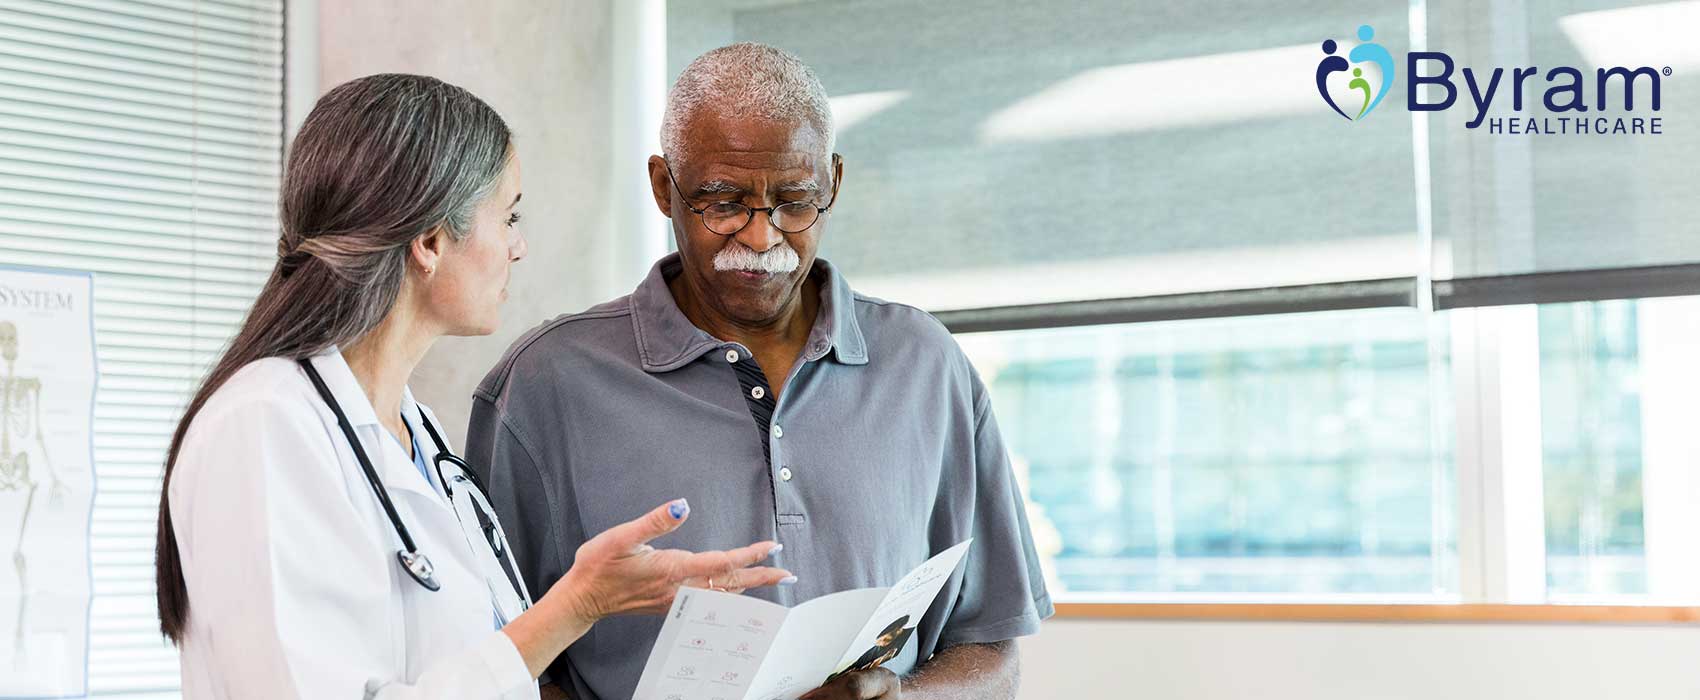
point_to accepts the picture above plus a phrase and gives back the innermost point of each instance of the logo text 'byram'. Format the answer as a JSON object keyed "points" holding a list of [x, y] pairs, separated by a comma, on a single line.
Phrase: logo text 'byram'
{"points": [[1565, 90]]}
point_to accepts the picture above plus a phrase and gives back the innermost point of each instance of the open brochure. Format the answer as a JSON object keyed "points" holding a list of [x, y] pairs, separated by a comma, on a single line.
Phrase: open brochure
{"points": [[725, 646]]}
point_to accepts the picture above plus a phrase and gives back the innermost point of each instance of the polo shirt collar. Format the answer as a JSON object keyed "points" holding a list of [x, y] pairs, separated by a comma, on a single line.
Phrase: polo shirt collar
{"points": [[667, 340]]}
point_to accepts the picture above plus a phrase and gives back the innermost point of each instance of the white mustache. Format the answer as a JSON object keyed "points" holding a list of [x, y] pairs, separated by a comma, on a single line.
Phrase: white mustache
{"points": [[780, 259]]}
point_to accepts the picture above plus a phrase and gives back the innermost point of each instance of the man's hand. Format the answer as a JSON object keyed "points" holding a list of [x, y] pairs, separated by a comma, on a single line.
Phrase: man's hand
{"points": [[872, 684]]}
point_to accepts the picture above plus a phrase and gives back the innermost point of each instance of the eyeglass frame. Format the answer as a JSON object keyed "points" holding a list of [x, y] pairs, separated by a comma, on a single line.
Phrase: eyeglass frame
{"points": [[703, 217]]}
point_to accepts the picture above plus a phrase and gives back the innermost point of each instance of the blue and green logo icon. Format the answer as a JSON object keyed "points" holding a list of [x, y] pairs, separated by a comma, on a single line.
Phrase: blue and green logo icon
{"points": [[1367, 52]]}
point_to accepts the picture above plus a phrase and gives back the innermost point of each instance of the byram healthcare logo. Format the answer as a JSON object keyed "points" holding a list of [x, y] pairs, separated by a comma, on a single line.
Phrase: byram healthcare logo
{"points": [[1367, 52], [1563, 91]]}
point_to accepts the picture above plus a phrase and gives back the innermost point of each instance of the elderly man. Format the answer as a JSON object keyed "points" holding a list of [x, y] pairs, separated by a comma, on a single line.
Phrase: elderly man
{"points": [[745, 375]]}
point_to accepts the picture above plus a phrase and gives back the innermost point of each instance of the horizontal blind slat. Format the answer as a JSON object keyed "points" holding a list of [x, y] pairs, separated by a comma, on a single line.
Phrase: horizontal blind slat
{"points": [[179, 116], [210, 17], [47, 178], [85, 126], [263, 11], [188, 80], [23, 64], [133, 17], [249, 62], [205, 165], [39, 194], [39, 258]]}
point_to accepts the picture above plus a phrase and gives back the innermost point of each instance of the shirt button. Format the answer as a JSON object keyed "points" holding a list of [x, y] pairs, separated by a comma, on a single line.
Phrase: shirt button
{"points": [[757, 393], [732, 356], [777, 431], [784, 473]]}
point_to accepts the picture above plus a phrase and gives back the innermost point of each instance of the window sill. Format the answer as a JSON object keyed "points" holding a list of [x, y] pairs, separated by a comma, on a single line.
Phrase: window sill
{"points": [[1384, 612]]}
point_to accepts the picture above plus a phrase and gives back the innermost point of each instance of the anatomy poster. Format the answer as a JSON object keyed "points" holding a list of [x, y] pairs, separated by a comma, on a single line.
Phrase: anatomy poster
{"points": [[47, 382]]}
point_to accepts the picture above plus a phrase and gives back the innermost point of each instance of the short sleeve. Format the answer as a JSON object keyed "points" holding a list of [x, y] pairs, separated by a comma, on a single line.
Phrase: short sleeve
{"points": [[1003, 594]]}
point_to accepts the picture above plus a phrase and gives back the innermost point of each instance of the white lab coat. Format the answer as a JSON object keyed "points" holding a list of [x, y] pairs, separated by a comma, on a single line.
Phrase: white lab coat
{"points": [[294, 588]]}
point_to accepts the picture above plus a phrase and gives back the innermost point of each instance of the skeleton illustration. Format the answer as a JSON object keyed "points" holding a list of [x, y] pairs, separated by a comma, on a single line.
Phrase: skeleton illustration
{"points": [[20, 415]]}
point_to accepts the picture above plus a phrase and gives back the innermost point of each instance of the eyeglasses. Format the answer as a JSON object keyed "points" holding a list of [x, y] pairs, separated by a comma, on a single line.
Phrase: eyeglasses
{"points": [[728, 218]]}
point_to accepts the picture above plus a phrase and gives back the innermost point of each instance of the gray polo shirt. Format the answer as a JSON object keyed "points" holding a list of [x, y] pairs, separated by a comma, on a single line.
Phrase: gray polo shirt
{"points": [[881, 452]]}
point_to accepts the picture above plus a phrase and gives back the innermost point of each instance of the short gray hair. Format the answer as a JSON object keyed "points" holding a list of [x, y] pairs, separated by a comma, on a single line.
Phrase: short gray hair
{"points": [[745, 80]]}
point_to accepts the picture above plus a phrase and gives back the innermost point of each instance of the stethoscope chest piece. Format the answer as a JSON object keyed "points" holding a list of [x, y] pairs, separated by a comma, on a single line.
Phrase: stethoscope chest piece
{"points": [[419, 567]]}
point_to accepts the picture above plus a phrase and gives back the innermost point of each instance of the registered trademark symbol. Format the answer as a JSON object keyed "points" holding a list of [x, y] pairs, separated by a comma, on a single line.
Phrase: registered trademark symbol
{"points": [[1667, 71]]}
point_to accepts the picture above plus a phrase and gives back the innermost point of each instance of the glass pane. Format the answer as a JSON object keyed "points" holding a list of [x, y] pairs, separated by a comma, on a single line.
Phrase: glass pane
{"points": [[1301, 454], [1090, 148], [1591, 448], [1617, 386]]}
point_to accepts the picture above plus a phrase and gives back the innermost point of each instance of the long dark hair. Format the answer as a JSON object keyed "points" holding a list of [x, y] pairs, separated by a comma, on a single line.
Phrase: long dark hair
{"points": [[380, 161]]}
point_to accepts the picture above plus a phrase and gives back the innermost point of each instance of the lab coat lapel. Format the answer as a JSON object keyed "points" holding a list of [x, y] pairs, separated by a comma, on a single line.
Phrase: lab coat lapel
{"points": [[394, 467]]}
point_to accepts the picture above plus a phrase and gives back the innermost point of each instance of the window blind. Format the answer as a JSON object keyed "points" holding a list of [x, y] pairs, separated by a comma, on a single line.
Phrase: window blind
{"points": [[1080, 151], [140, 140]]}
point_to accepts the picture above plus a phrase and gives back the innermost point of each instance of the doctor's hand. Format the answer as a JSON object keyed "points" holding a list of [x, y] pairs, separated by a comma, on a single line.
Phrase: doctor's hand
{"points": [[861, 685], [619, 572]]}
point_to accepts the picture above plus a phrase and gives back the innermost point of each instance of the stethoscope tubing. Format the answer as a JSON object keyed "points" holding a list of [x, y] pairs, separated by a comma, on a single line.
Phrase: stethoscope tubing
{"points": [[417, 565]]}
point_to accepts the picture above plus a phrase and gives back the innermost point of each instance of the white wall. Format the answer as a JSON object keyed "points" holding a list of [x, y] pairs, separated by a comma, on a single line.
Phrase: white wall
{"points": [[548, 68], [1332, 661]]}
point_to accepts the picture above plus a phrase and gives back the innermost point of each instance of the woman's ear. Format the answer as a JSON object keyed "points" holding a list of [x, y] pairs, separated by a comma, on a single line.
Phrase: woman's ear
{"points": [[426, 251]]}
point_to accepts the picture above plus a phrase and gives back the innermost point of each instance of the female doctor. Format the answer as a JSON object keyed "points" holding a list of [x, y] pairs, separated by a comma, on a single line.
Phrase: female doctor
{"points": [[317, 538]]}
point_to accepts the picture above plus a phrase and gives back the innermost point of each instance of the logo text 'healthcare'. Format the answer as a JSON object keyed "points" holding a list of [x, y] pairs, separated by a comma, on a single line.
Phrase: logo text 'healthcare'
{"points": [[1564, 90]]}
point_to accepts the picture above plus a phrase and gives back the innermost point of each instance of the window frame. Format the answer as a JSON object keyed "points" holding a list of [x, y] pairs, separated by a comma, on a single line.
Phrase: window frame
{"points": [[1500, 523]]}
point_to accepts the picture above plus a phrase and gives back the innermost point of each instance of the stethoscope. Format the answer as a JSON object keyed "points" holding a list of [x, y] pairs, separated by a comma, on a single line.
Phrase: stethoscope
{"points": [[464, 483]]}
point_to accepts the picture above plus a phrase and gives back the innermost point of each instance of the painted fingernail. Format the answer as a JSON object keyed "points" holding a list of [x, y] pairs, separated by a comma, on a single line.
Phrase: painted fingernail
{"points": [[788, 580], [776, 549], [678, 509]]}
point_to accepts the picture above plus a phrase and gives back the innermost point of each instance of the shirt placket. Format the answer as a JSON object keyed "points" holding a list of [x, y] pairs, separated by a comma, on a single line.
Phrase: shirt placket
{"points": [[766, 410]]}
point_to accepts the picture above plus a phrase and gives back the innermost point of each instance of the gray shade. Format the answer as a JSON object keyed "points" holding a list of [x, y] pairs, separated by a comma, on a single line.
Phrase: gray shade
{"points": [[1090, 148], [1512, 204]]}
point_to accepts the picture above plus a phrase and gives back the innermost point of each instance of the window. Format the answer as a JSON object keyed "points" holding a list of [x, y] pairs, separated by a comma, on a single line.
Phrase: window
{"points": [[140, 140], [1265, 455], [1244, 351]]}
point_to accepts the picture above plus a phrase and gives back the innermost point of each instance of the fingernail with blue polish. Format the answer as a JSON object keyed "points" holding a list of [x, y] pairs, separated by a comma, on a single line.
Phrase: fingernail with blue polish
{"points": [[678, 509], [776, 549], [788, 580]]}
